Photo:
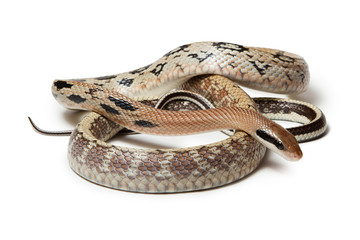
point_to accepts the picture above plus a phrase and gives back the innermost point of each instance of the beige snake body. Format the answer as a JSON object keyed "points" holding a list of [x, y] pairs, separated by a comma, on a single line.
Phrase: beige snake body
{"points": [[260, 68], [175, 170]]}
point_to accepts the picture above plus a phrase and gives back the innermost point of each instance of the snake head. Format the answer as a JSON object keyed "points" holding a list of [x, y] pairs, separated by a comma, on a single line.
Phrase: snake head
{"points": [[279, 140]]}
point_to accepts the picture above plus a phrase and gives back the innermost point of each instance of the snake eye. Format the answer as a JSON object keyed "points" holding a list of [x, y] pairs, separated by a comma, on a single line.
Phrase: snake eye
{"points": [[270, 139]]}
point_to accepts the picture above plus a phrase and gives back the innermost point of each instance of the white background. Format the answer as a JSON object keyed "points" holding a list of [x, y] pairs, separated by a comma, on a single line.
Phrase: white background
{"points": [[41, 198]]}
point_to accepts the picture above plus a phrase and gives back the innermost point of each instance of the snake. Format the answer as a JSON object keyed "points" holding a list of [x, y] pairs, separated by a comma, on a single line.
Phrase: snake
{"points": [[213, 70]]}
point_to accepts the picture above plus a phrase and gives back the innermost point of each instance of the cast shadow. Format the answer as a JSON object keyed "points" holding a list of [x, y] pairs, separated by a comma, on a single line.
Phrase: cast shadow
{"points": [[73, 117], [311, 95]]}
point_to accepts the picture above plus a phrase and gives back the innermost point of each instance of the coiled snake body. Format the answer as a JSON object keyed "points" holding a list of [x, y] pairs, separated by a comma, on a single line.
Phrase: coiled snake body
{"points": [[204, 68]]}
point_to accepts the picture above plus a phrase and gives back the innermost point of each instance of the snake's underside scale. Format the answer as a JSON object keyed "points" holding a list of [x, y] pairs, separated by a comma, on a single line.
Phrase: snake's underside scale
{"points": [[206, 73]]}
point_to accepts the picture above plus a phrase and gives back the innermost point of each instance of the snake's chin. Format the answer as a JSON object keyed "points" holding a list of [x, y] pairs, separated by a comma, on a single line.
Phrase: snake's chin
{"points": [[294, 156]]}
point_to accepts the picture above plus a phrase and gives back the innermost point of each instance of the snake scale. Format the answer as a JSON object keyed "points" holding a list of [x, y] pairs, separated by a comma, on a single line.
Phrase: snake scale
{"points": [[207, 70]]}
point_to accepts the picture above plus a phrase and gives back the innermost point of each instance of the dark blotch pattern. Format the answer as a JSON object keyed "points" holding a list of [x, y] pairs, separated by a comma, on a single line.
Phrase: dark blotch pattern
{"points": [[143, 123], [76, 98], [109, 109], [62, 84], [158, 69], [284, 58], [261, 69], [199, 58], [230, 46], [179, 49], [126, 81], [122, 103]]}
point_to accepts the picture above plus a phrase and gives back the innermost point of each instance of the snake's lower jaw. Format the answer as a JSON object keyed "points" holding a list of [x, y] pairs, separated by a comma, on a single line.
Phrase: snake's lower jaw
{"points": [[294, 155]]}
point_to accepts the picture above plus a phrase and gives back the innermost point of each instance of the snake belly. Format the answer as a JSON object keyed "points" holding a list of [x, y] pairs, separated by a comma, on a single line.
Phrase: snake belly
{"points": [[187, 169]]}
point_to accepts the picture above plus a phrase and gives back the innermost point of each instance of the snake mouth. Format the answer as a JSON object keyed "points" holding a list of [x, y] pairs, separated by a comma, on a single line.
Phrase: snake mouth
{"points": [[294, 155]]}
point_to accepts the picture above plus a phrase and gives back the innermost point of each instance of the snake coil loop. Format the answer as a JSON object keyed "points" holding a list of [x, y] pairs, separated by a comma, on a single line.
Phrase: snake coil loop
{"points": [[205, 73]]}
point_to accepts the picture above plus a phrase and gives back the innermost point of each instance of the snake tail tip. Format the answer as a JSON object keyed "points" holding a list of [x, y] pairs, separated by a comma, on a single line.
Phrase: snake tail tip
{"points": [[49, 133]]}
